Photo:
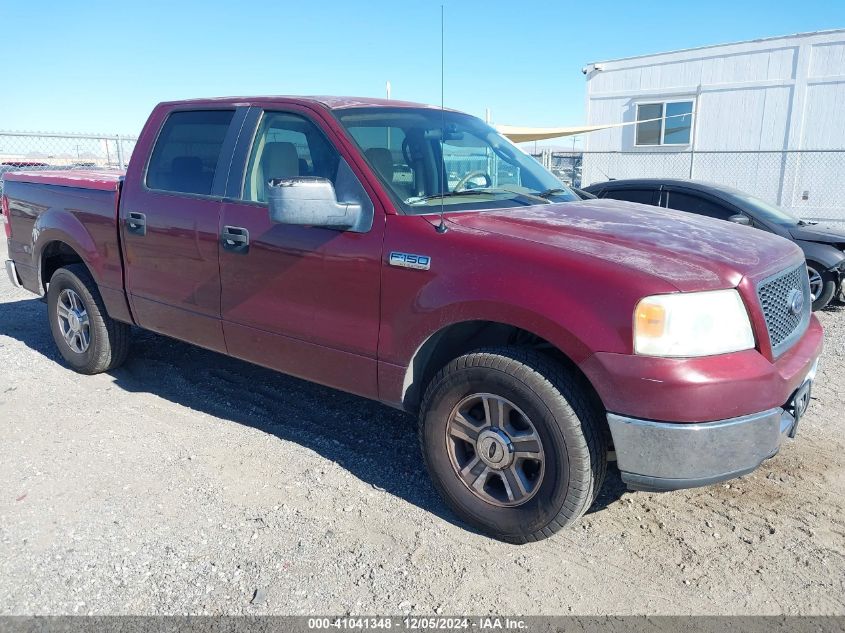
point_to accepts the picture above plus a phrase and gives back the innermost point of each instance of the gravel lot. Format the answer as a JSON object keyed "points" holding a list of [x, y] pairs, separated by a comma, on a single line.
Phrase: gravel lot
{"points": [[186, 482]]}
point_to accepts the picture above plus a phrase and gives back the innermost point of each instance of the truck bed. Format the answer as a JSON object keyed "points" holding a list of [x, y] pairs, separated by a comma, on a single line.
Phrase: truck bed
{"points": [[100, 179], [77, 208]]}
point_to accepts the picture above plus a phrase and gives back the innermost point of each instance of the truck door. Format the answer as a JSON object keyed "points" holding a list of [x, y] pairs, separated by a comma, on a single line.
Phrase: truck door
{"points": [[170, 212], [302, 300]]}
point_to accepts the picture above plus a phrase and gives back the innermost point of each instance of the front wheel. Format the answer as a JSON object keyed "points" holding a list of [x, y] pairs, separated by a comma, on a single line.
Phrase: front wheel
{"points": [[822, 285], [513, 442], [88, 339]]}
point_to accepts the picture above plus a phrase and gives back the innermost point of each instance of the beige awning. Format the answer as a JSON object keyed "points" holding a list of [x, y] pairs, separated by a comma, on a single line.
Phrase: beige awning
{"points": [[520, 134]]}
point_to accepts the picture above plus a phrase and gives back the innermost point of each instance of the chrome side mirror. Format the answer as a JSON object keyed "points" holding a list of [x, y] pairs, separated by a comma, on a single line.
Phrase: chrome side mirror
{"points": [[308, 201], [739, 218]]}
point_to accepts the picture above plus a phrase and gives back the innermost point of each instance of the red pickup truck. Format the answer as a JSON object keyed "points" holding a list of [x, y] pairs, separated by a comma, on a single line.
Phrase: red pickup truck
{"points": [[414, 256]]}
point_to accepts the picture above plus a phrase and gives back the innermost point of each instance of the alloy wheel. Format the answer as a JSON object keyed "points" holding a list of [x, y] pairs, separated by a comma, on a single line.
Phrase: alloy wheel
{"points": [[816, 283], [73, 321], [495, 450]]}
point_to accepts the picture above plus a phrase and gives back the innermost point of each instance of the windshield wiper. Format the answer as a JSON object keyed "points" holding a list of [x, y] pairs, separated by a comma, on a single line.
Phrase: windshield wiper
{"points": [[480, 191], [550, 192], [445, 194], [469, 192]]}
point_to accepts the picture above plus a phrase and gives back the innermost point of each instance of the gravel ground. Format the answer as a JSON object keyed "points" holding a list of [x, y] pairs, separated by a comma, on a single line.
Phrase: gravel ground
{"points": [[186, 482]]}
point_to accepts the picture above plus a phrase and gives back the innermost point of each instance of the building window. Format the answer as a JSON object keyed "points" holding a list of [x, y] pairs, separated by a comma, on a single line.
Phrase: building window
{"points": [[664, 123]]}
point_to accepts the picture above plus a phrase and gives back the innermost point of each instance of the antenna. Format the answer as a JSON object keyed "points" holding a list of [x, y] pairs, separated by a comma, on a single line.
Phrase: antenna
{"points": [[441, 228]]}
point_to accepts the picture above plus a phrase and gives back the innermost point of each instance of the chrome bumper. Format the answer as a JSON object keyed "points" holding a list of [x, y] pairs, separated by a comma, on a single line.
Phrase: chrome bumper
{"points": [[660, 456], [13, 273]]}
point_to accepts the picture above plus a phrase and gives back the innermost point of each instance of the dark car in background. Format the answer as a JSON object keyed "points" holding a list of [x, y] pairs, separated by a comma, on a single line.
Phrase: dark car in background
{"points": [[823, 244]]}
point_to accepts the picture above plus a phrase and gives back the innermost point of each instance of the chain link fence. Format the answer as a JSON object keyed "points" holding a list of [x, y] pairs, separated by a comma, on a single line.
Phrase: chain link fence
{"points": [[809, 183], [46, 150]]}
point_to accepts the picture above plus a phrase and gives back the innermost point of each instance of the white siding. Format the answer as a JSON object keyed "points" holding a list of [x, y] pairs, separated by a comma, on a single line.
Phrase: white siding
{"points": [[771, 95], [743, 119], [715, 69], [828, 60], [824, 117]]}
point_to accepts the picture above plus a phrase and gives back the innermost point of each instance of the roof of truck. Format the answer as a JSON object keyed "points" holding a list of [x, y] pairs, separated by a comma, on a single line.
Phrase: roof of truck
{"points": [[330, 102], [109, 180]]}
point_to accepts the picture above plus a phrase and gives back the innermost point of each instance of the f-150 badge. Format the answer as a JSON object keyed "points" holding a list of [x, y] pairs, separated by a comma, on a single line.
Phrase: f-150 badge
{"points": [[409, 260]]}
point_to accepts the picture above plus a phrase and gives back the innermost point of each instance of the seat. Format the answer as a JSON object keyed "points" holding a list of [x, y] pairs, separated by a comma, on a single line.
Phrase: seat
{"points": [[279, 160], [304, 168], [382, 161]]}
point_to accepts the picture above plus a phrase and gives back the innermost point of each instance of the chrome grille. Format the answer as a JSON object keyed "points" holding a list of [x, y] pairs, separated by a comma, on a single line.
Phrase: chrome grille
{"points": [[776, 294]]}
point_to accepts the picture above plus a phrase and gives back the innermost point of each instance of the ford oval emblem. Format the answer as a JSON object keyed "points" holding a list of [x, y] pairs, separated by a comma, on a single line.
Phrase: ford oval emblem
{"points": [[796, 301]]}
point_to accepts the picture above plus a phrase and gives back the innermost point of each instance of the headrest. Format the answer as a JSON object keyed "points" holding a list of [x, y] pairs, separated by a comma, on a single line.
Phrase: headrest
{"points": [[279, 160], [382, 161]]}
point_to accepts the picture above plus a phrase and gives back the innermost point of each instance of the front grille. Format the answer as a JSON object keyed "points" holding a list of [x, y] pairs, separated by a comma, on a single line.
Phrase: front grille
{"points": [[777, 294]]}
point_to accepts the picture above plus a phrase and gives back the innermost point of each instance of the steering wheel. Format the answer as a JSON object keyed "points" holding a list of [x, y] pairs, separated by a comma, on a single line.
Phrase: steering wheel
{"points": [[463, 181]]}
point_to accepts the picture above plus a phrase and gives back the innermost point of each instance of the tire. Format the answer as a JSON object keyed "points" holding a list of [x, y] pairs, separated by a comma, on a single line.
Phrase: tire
{"points": [[543, 400], [826, 284], [107, 339]]}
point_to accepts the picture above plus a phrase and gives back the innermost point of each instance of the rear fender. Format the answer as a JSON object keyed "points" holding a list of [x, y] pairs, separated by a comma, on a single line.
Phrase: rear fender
{"points": [[62, 226]]}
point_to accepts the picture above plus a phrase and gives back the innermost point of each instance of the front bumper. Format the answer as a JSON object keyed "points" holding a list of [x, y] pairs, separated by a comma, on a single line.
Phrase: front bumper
{"points": [[13, 273], [702, 389], [661, 456]]}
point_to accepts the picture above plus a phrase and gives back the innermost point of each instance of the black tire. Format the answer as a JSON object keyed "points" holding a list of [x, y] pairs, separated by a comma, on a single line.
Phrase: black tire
{"points": [[828, 280], [564, 415], [108, 339]]}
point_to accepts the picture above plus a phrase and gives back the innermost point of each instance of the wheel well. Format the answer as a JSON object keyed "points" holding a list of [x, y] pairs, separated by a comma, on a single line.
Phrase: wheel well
{"points": [[461, 338], [54, 256]]}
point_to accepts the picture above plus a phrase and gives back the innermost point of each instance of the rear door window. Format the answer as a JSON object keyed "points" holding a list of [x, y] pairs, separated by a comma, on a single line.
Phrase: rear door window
{"points": [[697, 204], [186, 154], [643, 196]]}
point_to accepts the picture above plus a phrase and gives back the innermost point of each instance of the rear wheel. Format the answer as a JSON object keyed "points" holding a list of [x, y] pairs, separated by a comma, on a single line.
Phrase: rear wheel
{"points": [[822, 285], [513, 442], [88, 339]]}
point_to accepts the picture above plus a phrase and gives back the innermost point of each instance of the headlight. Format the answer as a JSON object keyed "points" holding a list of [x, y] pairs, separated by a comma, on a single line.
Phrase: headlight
{"points": [[692, 324]]}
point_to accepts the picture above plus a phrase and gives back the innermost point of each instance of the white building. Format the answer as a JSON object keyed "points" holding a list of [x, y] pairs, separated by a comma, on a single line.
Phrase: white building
{"points": [[776, 95]]}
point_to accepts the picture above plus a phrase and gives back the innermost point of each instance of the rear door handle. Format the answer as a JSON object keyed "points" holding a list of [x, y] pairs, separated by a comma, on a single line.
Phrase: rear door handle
{"points": [[136, 223], [235, 239]]}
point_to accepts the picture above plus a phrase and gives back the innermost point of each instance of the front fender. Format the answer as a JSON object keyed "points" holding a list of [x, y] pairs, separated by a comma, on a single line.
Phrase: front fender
{"points": [[825, 254]]}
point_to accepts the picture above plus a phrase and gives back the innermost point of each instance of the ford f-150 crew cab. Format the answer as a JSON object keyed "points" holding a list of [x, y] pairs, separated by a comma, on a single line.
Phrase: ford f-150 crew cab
{"points": [[413, 255]]}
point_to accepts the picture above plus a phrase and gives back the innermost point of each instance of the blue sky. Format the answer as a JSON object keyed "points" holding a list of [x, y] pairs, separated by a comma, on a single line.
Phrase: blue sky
{"points": [[101, 66]]}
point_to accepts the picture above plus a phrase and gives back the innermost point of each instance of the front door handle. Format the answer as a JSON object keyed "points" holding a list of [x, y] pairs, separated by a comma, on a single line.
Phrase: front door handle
{"points": [[136, 223], [235, 239]]}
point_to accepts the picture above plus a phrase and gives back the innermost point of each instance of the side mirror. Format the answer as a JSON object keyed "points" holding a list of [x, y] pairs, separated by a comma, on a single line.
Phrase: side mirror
{"points": [[740, 219], [309, 201]]}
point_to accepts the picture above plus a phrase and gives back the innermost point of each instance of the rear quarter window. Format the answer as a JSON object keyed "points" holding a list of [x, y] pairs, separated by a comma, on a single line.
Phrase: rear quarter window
{"points": [[643, 196], [185, 156], [692, 203]]}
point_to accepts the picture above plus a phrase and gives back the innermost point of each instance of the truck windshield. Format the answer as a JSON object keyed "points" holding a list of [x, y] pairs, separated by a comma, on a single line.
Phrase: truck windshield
{"points": [[427, 158]]}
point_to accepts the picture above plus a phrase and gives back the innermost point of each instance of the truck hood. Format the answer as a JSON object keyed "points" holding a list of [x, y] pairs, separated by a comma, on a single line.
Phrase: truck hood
{"points": [[688, 251], [823, 233]]}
